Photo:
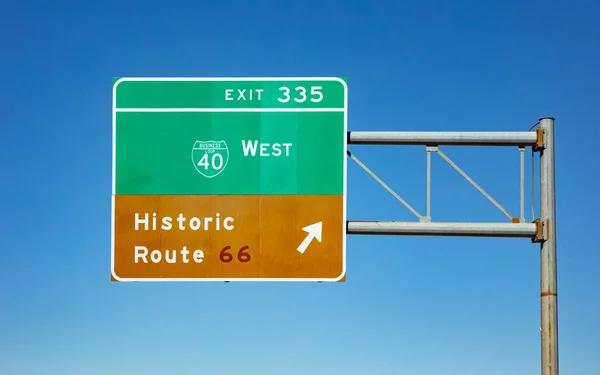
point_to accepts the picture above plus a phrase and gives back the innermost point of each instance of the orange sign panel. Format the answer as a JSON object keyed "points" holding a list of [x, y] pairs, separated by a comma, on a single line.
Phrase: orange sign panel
{"points": [[236, 237]]}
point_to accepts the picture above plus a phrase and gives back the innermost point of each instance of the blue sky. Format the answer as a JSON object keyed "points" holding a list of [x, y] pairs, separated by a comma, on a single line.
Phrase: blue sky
{"points": [[412, 305]]}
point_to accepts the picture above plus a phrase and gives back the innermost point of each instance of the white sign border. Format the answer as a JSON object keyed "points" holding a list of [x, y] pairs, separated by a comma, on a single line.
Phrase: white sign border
{"points": [[154, 79]]}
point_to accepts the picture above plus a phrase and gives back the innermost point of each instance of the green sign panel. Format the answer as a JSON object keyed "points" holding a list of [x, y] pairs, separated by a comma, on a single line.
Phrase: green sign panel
{"points": [[258, 136]]}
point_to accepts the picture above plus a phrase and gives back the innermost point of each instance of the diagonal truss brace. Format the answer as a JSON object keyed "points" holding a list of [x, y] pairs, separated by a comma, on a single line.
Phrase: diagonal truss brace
{"points": [[386, 187], [462, 173]]}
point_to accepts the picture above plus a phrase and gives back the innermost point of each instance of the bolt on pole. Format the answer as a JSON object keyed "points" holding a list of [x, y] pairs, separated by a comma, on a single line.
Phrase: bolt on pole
{"points": [[548, 278]]}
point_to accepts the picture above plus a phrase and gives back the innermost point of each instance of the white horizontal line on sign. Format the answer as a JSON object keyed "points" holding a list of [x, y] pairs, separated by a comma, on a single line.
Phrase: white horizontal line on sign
{"points": [[229, 109]]}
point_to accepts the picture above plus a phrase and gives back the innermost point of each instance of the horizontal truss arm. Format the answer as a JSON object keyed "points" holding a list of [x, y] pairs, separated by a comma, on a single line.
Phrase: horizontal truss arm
{"points": [[522, 230], [444, 138]]}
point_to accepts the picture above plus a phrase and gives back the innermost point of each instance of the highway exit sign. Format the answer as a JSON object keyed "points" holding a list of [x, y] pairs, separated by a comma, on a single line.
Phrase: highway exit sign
{"points": [[229, 179]]}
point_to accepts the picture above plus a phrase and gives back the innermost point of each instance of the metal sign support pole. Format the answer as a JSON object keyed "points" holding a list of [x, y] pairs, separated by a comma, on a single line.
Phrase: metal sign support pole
{"points": [[549, 308], [542, 230]]}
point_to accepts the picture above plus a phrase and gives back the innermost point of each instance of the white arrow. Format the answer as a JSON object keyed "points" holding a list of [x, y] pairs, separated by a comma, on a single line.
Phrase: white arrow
{"points": [[314, 231]]}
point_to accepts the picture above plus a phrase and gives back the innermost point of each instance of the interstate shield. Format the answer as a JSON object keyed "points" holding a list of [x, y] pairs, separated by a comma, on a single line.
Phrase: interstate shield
{"points": [[210, 157]]}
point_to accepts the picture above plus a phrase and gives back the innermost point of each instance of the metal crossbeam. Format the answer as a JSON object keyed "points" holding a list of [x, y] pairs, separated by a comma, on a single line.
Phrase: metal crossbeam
{"points": [[444, 138], [527, 230]]}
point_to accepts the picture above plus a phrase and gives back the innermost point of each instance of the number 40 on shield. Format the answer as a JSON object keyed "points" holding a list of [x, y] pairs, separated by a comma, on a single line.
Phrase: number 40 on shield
{"points": [[210, 157]]}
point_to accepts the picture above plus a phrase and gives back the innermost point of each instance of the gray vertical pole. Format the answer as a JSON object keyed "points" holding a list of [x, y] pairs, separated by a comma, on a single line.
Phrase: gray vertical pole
{"points": [[549, 308]]}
